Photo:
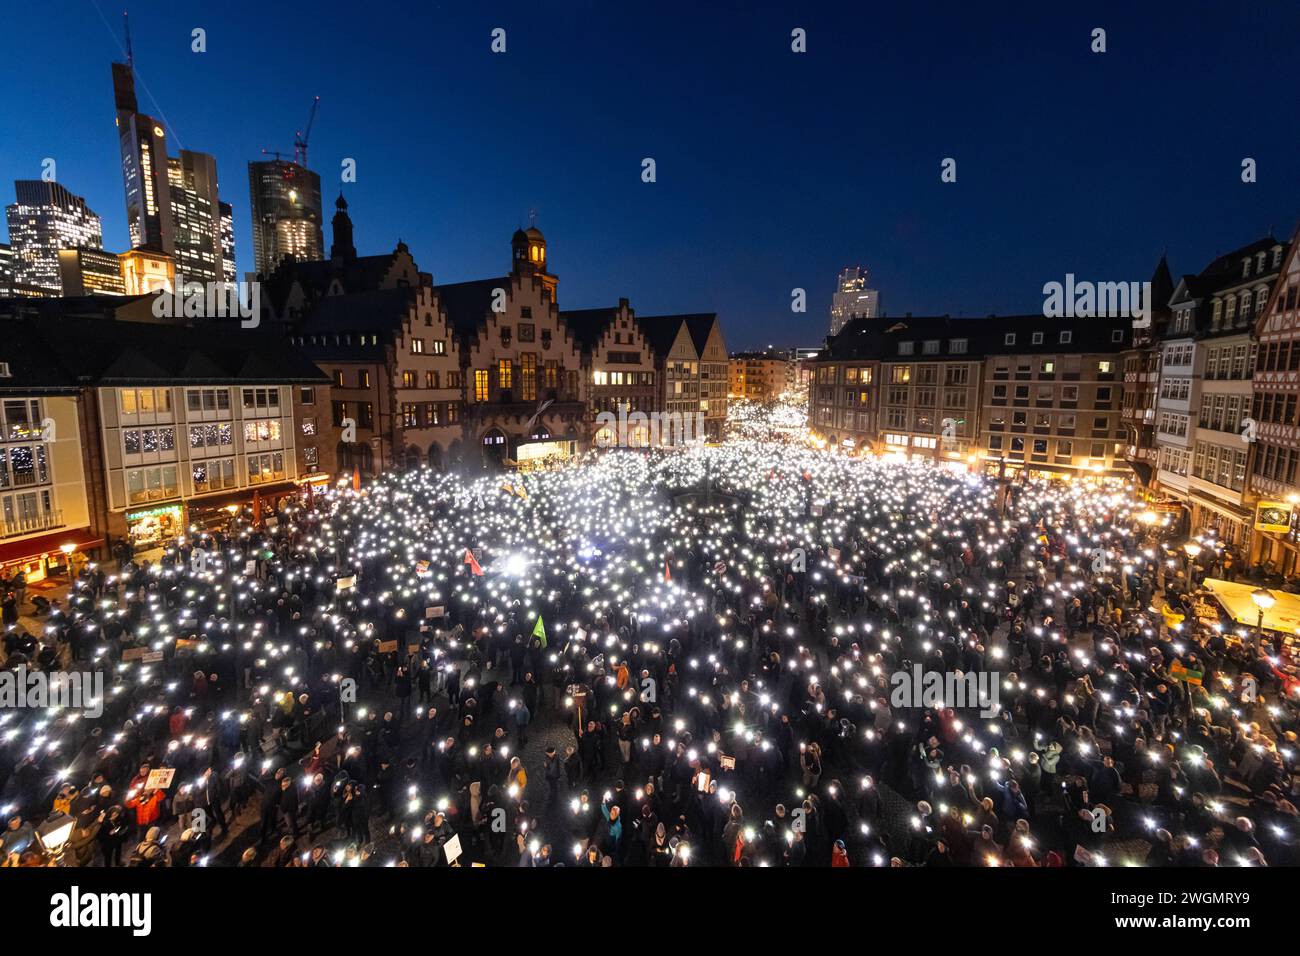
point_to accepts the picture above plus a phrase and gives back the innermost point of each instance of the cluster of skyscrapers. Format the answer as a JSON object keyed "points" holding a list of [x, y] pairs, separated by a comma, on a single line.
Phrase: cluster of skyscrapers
{"points": [[176, 219]]}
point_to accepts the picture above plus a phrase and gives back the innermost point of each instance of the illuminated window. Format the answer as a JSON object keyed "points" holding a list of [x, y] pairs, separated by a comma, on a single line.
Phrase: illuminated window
{"points": [[480, 385], [528, 374], [504, 373]]}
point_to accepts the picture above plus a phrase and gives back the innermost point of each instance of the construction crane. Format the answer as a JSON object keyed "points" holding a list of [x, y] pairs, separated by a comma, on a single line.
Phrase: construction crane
{"points": [[300, 138]]}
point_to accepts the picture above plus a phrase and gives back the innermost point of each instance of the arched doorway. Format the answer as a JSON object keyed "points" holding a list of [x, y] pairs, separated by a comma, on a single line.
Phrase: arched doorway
{"points": [[435, 457], [494, 448]]}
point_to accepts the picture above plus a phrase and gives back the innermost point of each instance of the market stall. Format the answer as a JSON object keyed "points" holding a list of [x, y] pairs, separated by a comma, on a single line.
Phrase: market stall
{"points": [[1239, 600]]}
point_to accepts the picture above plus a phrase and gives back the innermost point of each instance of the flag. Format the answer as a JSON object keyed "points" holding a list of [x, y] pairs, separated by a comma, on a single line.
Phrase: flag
{"points": [[539, 631], [668, 574], [1180, 672], [473, 565]]}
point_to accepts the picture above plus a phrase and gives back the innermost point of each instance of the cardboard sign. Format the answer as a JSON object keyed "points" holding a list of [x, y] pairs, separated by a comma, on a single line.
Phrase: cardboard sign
{"points": [[726, 763], [702, 781], [1081, 855], [250, 566], [160, 779], [184, 642], [345, 584], [436, 611], [151, 657], [834, 554], [387, 647], [1206, 611], [412, 649], [452, 848], [134, 653]]}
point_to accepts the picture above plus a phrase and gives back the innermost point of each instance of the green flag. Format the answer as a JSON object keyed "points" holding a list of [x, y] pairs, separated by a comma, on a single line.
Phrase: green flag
{"points": [[539, 631]]}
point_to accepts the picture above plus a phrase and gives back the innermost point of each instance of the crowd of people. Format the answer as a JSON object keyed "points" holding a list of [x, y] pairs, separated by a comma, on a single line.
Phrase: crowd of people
{"points": [[674, 658]]}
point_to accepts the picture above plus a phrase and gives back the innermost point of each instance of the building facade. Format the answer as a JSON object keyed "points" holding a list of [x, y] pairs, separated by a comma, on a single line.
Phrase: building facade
{"points": [[619, 366], [1052, 394], [852, 299], [1276, 452], [1206, 389], [45, 219], [760, 376], [286, 211], [172, 206], [522, 365]]}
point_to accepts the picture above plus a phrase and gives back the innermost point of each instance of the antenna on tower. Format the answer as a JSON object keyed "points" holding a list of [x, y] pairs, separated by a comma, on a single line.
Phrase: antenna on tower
{"points": [[532, 217], [126, 26]]}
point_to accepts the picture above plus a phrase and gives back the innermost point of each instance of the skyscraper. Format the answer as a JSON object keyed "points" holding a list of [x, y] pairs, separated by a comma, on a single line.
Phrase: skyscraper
{"points": [[227, 241], [6, 267], [45, 219], [196, 216], [143, 145], [853, 299], [286, 213], [171, 203]]}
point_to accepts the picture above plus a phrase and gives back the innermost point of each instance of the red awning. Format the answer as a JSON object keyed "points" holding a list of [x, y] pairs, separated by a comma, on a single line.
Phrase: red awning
{"points": [[11, 552]]}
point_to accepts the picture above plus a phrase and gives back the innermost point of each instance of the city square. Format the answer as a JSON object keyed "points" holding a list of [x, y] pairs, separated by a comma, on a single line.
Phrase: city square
{"points": [[854, 442]]}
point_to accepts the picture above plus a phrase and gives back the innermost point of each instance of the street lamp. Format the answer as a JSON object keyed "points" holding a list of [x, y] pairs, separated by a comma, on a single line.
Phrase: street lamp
{"points": [[1264, 600], [67, 548]]}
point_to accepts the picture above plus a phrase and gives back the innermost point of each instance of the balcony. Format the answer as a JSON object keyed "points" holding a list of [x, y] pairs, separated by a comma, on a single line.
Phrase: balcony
{"points": [[29, 524]]}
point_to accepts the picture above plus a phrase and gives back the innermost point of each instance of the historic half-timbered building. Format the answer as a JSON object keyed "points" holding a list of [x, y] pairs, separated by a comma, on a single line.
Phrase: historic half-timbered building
{"points": [[521, 365], [1276, 409]]}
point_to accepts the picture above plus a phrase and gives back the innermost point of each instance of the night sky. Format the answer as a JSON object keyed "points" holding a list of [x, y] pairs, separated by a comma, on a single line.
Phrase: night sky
{"points": [[775, 169]]}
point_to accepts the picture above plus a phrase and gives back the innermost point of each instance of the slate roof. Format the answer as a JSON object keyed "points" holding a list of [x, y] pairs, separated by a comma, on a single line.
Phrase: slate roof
{"points": [[68, 350]]}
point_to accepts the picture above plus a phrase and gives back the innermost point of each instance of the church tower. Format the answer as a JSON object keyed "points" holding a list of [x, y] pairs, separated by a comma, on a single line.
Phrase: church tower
{"points": [[342, 224]]}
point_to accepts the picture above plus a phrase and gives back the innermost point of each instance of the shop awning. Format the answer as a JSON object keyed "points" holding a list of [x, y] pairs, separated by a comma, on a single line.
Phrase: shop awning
{"points": [[1283, 616], [12, 552]]}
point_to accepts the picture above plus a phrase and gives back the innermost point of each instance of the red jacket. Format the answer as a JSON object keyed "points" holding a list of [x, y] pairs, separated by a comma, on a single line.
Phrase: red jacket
{"points": [[147, 807]]}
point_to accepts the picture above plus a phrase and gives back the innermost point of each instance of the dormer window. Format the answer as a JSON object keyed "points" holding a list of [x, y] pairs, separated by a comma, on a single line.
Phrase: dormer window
{"points": [[1009, 338], [1245, 268], [906, 348], [1066, 337], [1277, 256], [1036, 338], [1260, 259]]}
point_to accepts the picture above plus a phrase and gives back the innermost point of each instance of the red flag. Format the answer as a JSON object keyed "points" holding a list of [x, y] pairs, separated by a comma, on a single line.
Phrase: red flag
{"points": [[668, 574], [356, 479], [473, 565]]}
